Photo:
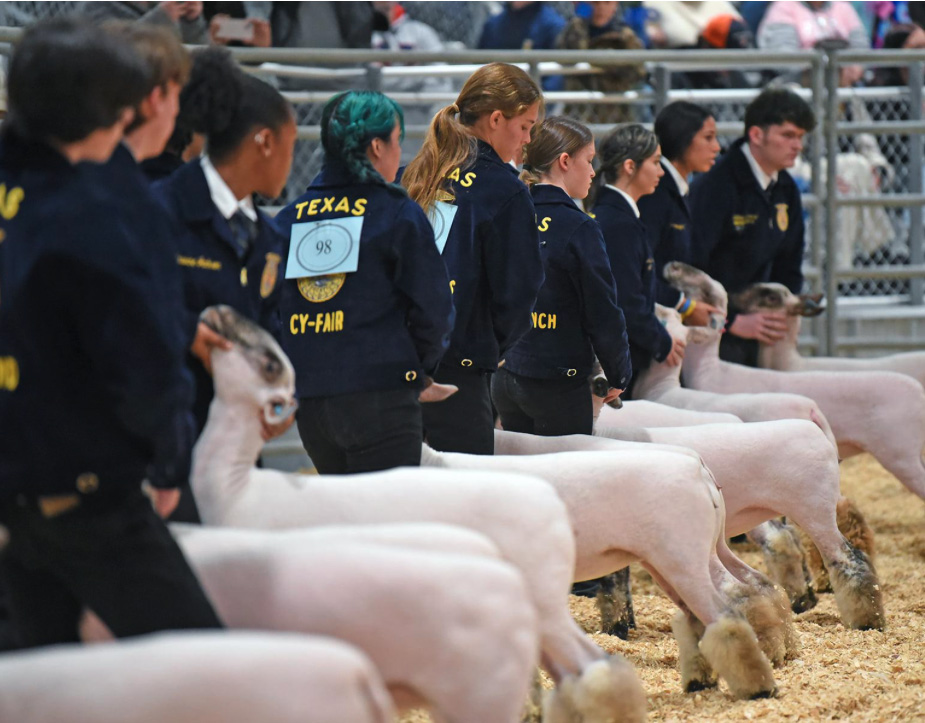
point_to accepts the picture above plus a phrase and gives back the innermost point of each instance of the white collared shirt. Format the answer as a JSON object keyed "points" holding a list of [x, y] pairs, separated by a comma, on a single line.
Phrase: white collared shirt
{"points": [[223, 196], [764, 180], [681, 181], [629, 199]]}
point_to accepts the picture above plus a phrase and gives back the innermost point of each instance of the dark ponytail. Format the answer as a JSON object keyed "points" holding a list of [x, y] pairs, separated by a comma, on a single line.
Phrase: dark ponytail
{"points": [[626, 142]]}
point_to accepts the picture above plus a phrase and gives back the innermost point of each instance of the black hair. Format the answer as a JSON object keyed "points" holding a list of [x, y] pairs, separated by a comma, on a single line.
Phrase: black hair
{"points": [[69, 78], [626, 142], [776, 106], [676, 125], [225, 104]]}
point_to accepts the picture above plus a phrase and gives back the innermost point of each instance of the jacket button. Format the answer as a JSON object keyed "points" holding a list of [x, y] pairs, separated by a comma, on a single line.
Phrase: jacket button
{"points": [[466, 362], [411, 376], [88, 483]]}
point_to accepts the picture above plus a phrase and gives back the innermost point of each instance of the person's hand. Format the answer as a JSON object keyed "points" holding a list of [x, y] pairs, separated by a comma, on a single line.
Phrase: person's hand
{"points": [[676, 355], [700, 316], [263, 34], [435, 392], [269, 431], [206, 340], [612, 395], [765, 326], [164, 501], [190, 10], [214, 27]]}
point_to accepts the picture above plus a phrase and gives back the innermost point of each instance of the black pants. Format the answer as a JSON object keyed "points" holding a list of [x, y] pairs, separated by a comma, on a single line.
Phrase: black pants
{"points": [[363, 432], [111, 554], [465, 422], [547, 407], [737, 350]]}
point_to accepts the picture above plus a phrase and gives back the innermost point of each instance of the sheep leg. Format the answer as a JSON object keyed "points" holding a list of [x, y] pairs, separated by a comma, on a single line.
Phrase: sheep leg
{"points": [[852, 574], [615, 604], [728, 645], [786, 562]]}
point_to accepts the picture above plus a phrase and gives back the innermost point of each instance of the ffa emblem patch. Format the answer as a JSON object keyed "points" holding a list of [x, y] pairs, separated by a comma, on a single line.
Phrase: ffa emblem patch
{"points": [[268, 278], [321, 288], [783, 220]]}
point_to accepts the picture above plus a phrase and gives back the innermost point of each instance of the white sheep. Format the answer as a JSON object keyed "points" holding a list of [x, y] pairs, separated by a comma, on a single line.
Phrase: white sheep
{"points": [[646, 413], [203, 677], [882, 413], [432, 606], [784, 356], [255, 375], [662, 383], [663, 510]]}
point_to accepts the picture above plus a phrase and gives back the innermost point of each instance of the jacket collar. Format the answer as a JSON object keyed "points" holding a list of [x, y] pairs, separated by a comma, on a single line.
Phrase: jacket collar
{"points": [[487, 153], [742, 170], [548, 193], [610, 197], [194, 201]]}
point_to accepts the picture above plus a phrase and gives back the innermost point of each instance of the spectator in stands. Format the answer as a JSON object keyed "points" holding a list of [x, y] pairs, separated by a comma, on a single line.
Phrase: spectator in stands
{"points": [[217, 13], [603, 29], [748, 216], [524, 26], [722, 32], [317, 24], [184, 17], [682, 23]]}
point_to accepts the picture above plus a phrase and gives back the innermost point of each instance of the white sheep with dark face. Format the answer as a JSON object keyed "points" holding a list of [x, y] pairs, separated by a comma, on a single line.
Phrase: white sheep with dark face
{"points": [[255, 375], [784, 356], [202, 677], [882, 413]]}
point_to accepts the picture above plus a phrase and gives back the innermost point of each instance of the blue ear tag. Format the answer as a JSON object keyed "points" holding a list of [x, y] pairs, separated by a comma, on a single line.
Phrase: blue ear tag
{"points": [[441, 217], [277, 410], [319, 248]]}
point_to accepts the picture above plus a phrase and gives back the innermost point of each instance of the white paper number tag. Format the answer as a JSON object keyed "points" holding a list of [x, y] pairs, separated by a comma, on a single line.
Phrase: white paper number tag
{"points": [[325, 247], [441, 218]]}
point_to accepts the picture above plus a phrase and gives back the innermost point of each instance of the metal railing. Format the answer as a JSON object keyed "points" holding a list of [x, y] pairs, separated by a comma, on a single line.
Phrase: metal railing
{"points": [[824, 269]]}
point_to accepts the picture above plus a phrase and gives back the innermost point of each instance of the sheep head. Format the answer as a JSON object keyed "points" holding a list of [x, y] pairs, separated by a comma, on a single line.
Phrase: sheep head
{"points": [[777, 297], [696, 284], [255, 371]]}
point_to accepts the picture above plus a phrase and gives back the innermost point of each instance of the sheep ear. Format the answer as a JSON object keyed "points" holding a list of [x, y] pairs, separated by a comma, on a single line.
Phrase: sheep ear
{"points": [[277, 411]]}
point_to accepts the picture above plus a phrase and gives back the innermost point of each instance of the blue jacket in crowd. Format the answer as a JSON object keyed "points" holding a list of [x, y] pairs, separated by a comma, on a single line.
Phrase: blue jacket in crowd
{"points": [[667, 217], [742, 237], [381, 327], [633, 267], [90, 362], [536, 26], [213, 270], [493, 258], [576, 315]]}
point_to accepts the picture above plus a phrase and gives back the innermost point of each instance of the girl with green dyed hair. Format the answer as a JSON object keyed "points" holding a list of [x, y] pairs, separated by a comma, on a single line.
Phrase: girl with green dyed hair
{"points": [[365, 309], [362, 131]]}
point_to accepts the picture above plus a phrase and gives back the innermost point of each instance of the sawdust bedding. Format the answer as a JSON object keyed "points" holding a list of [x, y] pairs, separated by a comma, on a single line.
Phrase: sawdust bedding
{"points": [[841, 674]]}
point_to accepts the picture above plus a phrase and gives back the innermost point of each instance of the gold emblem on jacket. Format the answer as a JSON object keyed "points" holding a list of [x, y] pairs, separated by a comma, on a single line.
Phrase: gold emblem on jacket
{"points": [[783, 220], [268, 277], [318, 289]]}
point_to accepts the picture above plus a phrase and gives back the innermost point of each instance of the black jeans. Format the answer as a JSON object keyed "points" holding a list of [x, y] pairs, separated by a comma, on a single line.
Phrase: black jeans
{"points": [[111, 554], [547, 407], [363, 432], [464, 422]]}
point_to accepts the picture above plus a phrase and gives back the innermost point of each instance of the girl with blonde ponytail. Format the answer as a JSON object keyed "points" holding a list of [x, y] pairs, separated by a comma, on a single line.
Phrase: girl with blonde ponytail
{"points": [[543, 386], [463, 178]]}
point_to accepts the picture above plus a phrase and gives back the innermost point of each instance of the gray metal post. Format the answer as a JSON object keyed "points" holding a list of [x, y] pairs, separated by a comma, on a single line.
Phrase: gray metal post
{"points": [[831, 204], [535, 73], [662, 86], [374, 77], [916, 253], [815, 158]]}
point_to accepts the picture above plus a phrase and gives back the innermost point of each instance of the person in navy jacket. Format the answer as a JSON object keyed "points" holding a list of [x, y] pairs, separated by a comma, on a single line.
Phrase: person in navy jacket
{"points": [[365, 308], [630, 168], [748, 217], [687, 135], [542, 387], [492, 252], [92, 387]]}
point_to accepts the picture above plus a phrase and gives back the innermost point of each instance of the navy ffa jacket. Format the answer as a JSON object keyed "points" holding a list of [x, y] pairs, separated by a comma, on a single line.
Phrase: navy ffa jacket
{"points": [[576, 314], [382, 326], [493, 258], [91, 374], [667, 218], [633, 267], [212, 269], [740, 236]]}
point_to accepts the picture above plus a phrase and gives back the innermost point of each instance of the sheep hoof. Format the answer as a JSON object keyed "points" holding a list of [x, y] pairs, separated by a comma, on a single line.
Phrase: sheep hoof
{"points": [[606, 690], [731, 648], [806, 601], [694, 686], [620, 629], [765, 694], [857, 592]]}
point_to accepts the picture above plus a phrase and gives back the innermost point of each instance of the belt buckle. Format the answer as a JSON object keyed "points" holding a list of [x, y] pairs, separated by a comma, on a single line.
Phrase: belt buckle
{"points": [[55, 505]]}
